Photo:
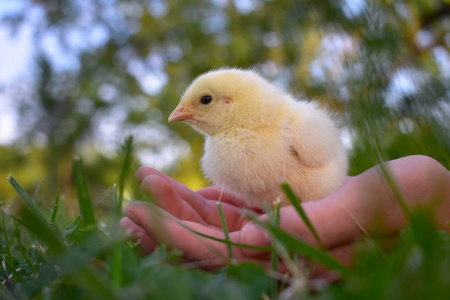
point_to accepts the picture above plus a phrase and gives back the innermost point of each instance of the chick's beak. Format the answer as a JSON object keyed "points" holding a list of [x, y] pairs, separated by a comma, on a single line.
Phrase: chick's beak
{"points": [[180, 113]]}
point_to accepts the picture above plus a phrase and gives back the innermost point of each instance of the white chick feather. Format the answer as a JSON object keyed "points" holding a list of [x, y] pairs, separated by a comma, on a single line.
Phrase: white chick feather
{"points": [[258, 136]]}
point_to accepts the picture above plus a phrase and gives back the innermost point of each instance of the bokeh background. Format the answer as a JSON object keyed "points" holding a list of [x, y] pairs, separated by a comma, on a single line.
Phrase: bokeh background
{"points": [[77, 77]]}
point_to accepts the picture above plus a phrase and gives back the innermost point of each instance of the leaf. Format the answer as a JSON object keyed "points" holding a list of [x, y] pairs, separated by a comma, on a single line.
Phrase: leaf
{"points": [[225, 230], [275, 220], [41, 228], [84, 200], [26, 197], [252, 275], [296, 245], [225, 241], [75, 231], [128, 151], [116, 268], [55, 209], [296, 203]]}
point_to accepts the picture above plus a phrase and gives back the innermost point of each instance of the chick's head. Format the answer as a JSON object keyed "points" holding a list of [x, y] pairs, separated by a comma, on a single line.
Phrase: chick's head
{"points": [[221, 99]]}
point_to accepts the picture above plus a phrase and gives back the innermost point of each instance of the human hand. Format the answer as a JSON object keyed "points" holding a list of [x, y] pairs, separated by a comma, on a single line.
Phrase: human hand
{"points": [[364, 202], [175, 205]]}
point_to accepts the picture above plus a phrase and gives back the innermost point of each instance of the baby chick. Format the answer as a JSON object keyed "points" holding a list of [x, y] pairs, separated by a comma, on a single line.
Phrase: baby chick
{"points": [[258, 136]]}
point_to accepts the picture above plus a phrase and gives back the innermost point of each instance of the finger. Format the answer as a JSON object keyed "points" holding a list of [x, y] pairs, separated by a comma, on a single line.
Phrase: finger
{"points": [[211, 193], [168, 199], [138, 234], [180, 188], [218, 193], [143, 172], [165, 228], [205, 253], [343, 254], [186, 204]]}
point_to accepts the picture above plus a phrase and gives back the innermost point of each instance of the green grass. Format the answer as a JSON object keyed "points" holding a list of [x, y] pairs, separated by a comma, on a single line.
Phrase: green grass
{"points": [[44, 259]]}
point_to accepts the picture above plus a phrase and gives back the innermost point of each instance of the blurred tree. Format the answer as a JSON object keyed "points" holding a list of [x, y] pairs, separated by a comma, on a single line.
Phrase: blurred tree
{"points": [[104, 68]]}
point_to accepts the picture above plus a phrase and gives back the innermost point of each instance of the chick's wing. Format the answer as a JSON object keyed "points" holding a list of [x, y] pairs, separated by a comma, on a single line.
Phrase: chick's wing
{"points": [[313, 135]]}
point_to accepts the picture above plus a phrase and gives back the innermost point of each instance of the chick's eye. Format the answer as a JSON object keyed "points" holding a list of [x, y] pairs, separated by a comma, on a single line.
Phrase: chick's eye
{"points": [[205, 100]]}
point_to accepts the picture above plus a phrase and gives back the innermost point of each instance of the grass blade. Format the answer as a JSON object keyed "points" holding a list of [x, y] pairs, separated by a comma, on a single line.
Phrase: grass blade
{"points": [[26, 197], [116, 202], [8, 248], [296, 203], [23, 250], [37, 190], [386, 172], [225, 229], [34, 223], [128, 151], [298, 246], [273, 283], [55, 209], [117, 266], [84, 200], [97, 285], [267, 249], [117, 255]]}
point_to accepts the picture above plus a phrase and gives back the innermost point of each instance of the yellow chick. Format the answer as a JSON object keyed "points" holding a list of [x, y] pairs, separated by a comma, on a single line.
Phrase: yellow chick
{"points": [[258, 136]]}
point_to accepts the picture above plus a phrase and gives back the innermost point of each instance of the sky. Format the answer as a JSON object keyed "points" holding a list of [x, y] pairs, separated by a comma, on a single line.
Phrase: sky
{"points": [[16, 67], [15, 58]]}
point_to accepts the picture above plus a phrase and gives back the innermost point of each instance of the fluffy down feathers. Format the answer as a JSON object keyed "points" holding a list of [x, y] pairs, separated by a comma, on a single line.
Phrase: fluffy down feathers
{"points": [[257, 137]]}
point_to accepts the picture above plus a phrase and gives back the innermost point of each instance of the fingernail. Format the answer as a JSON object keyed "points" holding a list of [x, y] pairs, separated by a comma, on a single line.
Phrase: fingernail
{"points": [[131, 216]]}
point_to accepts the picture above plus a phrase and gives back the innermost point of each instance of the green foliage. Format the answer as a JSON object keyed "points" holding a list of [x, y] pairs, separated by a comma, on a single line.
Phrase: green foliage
{"points": [[416, 267], [84, 200], [87, 262]]}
